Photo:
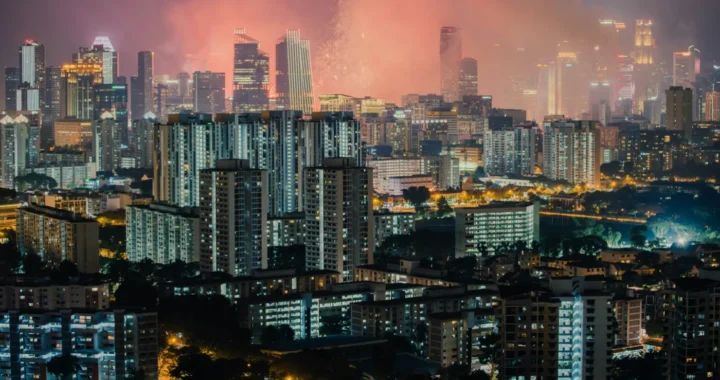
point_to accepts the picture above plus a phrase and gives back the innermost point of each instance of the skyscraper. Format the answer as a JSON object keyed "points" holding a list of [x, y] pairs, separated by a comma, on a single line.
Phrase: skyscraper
{"points": [[643, 69], [100, 53], [142, 86], [110, 98], [338, 215], [12, 83], [233, 218], [684, 68], [52, 109], [293, 73], [679, 103], [208, 92], [468, 82], [572, 151], [644, 42], [77, 82], [450, 55], [32, 64], [251, 75], [712, 106]]}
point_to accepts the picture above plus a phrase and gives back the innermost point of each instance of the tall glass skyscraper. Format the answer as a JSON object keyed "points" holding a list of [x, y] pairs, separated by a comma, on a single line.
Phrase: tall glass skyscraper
{"points": [[468, 77], [450, 54], [251, 75], [293, 73], [100, 53]]}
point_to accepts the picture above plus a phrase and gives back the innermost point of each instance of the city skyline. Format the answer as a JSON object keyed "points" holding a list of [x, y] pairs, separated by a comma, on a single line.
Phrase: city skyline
{"points": [[352, 32]]}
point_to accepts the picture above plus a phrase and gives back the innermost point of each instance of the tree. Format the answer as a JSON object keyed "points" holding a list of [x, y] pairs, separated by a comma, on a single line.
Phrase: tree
{"points": [[136, 290], [637, 236], [192, 364], [483, 249], [613, 237], [10, 258], [334, 324], [610, 169], [33, 264], [64, 366], [463, 266], [68, 269], [35, 181], [417, 196], [490, 351], [286, 333], [420, 336], [313, 364], [269, 335], [444, 208]]}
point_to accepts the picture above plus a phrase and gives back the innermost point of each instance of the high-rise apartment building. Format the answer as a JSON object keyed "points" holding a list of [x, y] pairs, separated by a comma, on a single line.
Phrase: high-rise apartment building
{"points": [[52, 110], [233, 218], [572, 152], [188, 143], [293, 73], [77, 82], [690, 326], [141, 100], [19, 148], [495, 224], [564, 333], [282, 161], [679, 107], [445, 171], [510, 150], [162, 233], [251, 75], [100, 53], [107, 142], [142, 144], [57, 235], [338, 216], [450, 55], [208, 92], [468, 81], [12, 83]]}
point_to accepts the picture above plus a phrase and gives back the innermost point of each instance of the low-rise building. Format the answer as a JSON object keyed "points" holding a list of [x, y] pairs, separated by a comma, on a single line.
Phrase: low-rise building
{"points": [[495, 224], [57, 235], [395, 185], [162, 233], [45, 294]]}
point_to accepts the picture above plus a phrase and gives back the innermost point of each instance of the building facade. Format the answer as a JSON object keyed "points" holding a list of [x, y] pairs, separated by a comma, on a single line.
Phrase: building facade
{"points": [[495, 224], [57, 235], [338, 216], [233, 218], [162, 233]]}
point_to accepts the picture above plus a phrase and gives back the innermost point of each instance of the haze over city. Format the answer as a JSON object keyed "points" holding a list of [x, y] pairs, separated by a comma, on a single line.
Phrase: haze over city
{"points": [[360, 189]]}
